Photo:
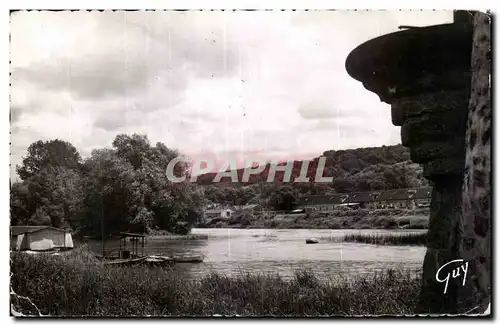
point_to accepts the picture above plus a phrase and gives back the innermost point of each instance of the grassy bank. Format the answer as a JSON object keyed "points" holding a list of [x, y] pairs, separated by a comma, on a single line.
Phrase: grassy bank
{"points": [[76, 284], [340, 219], [387, 239]]}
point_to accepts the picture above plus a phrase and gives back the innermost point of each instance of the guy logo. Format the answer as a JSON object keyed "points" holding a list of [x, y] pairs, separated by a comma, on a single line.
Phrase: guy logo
{"points": [[455, 273]]}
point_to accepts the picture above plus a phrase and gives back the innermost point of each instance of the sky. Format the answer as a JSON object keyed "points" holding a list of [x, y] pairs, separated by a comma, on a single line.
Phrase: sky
{"points": [[266, 84]]}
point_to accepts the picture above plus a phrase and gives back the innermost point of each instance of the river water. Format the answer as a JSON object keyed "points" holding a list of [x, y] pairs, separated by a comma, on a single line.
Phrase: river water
{"points": [[232, 251]]}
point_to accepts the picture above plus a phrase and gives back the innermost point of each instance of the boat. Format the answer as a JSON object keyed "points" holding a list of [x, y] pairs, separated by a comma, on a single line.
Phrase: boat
{"points": [[311, 240], [154, 260], [187, 259], [124, 262]]}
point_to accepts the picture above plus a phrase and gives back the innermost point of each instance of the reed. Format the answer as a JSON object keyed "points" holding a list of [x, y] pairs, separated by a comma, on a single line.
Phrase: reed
{"points": [[76, 285], [406, 239]]}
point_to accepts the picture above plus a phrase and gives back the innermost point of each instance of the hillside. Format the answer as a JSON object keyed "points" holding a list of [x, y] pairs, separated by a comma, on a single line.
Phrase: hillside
{"points": [[353, 170]]}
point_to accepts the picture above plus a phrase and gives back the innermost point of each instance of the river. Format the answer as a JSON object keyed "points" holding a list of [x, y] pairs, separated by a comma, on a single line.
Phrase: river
{"points": [[232, 251]]}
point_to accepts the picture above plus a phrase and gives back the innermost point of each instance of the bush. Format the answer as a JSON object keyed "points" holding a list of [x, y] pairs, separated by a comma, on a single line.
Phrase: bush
{"points": [[386, 222], [70, 285], [182, 228]]}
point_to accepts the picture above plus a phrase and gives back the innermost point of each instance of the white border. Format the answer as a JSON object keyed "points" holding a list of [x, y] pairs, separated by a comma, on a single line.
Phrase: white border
{"points": [[180, 4]]}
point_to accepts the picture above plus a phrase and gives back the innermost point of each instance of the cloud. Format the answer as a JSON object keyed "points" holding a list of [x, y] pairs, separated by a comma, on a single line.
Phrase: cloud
{"points": [[271, 83], [316, 111]]}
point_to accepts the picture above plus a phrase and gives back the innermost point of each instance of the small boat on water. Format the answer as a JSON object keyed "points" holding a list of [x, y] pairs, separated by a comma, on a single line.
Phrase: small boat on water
{"points": [[311, 240], [154, 261], [187, 259], [124, 262]]}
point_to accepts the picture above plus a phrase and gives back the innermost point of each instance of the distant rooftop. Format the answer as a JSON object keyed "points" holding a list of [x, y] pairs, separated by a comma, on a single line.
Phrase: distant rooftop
{"points": [[367, 197]]}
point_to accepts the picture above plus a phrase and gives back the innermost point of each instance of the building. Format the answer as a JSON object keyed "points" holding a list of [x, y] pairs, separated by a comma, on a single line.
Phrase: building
{"points": [[404, 198], [395, 198], [321, 202], [218, 212], [358, 199], [39, 238]]}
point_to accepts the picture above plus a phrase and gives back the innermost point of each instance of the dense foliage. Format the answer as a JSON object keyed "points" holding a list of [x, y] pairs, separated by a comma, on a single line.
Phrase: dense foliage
{"points": [[125, 188], [119, 189], [353, 170]]}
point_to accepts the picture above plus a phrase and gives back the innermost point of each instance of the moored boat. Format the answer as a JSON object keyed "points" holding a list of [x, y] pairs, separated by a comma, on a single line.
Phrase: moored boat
{"points": [[153, 261]]}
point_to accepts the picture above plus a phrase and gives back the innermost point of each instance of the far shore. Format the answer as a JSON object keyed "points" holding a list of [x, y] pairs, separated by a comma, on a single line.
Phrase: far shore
{"points": [[190, 236], [341, 219], [360, 219]]}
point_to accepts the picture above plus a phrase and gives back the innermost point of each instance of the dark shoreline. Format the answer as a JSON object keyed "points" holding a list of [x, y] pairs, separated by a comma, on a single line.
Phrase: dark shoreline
{"points": [[340, 219]]}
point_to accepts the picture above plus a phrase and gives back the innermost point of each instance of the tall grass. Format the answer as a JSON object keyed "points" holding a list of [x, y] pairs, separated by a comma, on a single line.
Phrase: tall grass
{"points": [[77, 285], [388, 239]]}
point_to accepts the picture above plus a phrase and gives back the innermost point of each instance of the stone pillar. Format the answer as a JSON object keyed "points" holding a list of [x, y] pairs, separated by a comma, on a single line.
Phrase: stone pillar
{"points": [[424, 74], [433, 127], [476, 210]]}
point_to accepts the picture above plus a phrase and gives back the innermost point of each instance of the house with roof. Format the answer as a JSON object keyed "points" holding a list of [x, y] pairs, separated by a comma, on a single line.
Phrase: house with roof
{"points": [[218, 212], [359, 199], [39, 238], [404, 198], [395, 198], [423, 197], [322, 202]]}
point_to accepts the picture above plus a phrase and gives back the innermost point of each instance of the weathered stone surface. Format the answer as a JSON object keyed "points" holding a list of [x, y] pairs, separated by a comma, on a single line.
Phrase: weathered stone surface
{"points": [[431, 150], [434, 126], [424, 103], [425, 75], [414, 61], [476, 213], [442, 246], [444, 166]]}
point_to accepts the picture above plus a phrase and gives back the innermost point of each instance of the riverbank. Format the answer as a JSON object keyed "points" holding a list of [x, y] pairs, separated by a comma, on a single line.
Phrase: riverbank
{"points": [[164, 236], [177, 237], [340, 219], [76, 284]]}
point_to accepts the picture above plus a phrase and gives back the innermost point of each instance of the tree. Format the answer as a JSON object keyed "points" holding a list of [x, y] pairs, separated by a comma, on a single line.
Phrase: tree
{"points": [[284, 199], [111, 198], [50, 173], [56, 195], [20, 208], [128, 190], [50, 153]]}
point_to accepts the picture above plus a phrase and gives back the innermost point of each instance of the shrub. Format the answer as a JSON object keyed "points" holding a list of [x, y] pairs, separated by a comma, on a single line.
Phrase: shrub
{"points": [[182, 228], [386, 222], [67, 285]]}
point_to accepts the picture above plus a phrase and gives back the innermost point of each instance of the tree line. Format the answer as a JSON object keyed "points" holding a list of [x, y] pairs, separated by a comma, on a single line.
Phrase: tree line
{"points": [[125, 187], [353, 170]]}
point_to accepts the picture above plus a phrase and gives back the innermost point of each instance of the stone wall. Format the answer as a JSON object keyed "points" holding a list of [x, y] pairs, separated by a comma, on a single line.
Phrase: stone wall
{"points": [[476, 208]]}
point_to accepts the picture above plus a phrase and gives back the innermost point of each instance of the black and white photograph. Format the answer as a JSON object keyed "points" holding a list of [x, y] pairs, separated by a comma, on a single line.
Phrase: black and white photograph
{"points": [[250, 163]]}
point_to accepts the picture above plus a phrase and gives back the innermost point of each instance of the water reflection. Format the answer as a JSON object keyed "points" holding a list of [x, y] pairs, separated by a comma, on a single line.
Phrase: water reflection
{"points": [[234, 251]]}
